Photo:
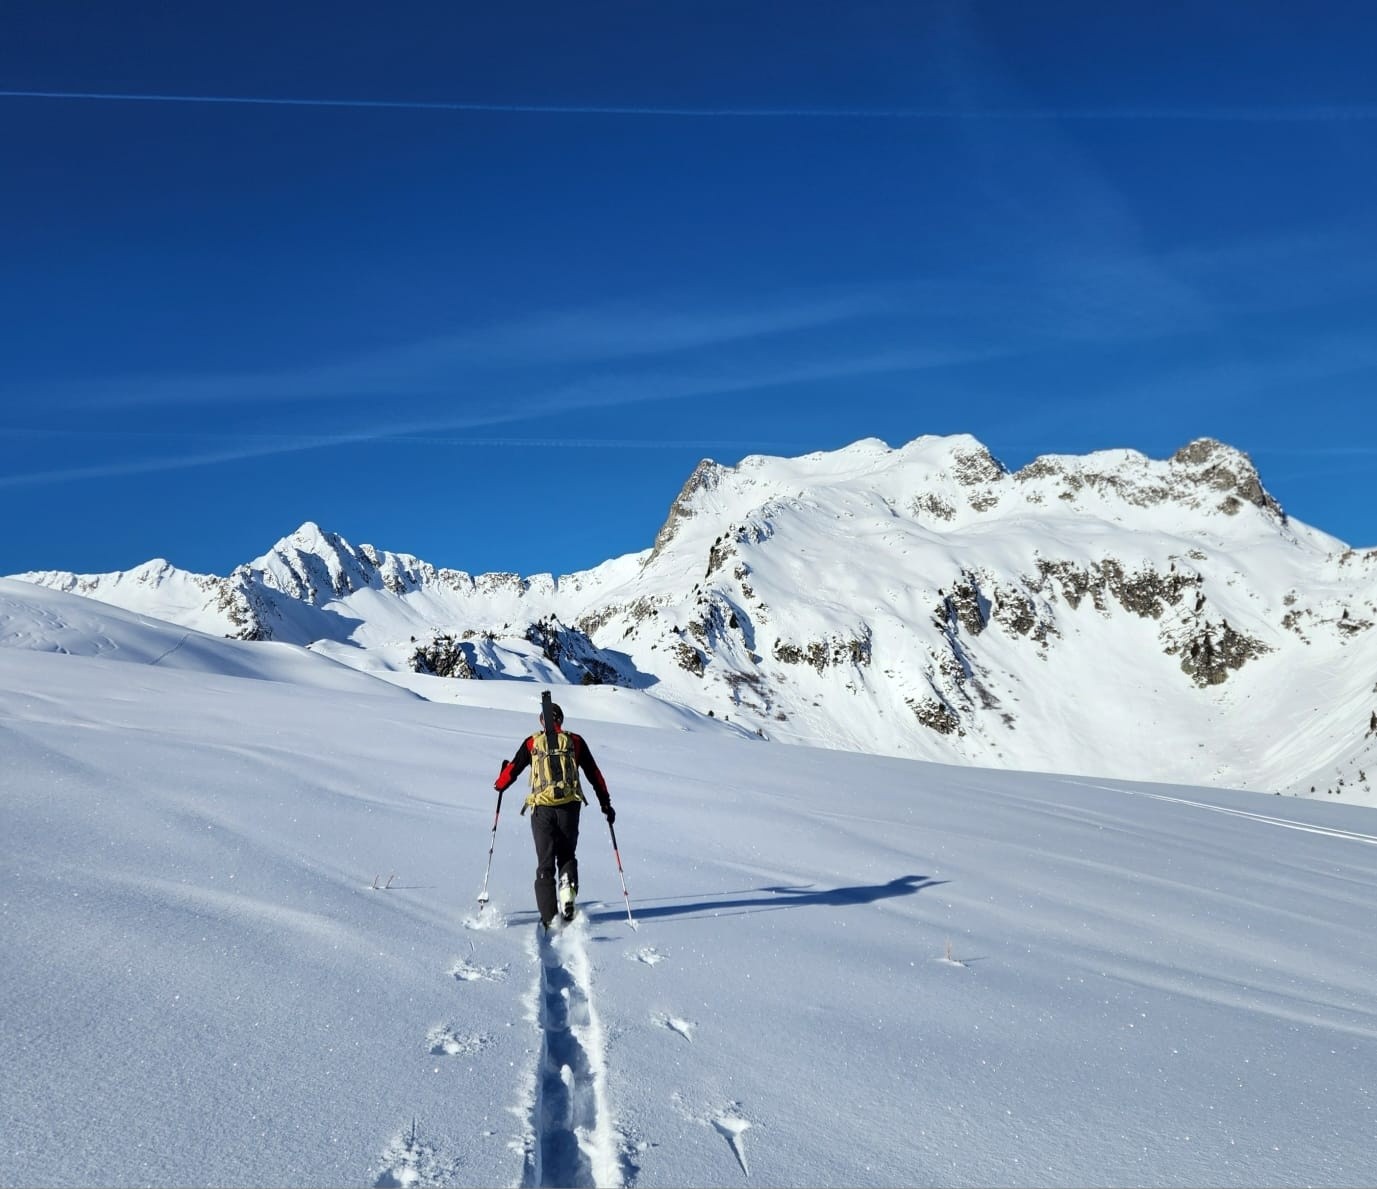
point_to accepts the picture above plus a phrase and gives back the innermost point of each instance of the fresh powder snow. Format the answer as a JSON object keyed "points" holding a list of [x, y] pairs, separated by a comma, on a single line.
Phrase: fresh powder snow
{"points": [[243, 947]]}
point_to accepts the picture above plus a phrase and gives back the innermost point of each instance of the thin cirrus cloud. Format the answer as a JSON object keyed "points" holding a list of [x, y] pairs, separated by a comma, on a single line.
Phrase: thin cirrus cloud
{"points": [[623, 330], [1246, 384], [447, 428], [1259, 275], [248, 448], [440, 365]]}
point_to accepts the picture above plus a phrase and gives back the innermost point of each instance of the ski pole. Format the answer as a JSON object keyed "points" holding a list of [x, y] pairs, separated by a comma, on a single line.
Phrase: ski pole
{"points": [[621, 875], [483, 895]]}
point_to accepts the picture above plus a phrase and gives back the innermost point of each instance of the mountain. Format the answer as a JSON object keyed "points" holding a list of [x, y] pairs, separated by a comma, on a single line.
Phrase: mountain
{"points": [[1106, 614]]}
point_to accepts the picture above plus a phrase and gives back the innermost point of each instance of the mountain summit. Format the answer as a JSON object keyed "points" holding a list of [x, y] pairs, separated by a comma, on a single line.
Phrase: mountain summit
{"points": [[1102, 614]]}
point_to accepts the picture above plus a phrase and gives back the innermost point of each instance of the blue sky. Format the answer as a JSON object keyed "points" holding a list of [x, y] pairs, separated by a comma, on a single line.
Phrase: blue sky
{"points": [[483, 283]]}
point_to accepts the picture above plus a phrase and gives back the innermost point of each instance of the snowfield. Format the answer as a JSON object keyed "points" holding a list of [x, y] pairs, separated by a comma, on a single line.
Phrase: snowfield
{"points": [[242, 947]]}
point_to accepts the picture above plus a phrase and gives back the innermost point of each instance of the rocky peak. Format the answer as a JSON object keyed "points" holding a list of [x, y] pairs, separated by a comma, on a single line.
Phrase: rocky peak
{"points": [[974, 464], [1204, 475], [311, 565], [1213, 465], [706, 476]]}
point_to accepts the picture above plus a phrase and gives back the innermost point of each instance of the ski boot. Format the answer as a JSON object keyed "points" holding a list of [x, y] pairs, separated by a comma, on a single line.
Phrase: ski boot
{"points": [[567, 892]]}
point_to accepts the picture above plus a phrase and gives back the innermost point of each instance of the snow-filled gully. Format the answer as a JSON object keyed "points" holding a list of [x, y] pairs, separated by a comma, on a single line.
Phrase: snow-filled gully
{"points": [[573, 1140]]}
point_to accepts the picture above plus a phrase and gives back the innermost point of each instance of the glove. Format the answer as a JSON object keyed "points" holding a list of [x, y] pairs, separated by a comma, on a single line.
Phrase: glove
{"points": [[609, 813]]}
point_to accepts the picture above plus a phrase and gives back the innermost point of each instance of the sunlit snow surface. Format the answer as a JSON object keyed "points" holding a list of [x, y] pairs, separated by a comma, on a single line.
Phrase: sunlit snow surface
{"points": [[242, 947]]}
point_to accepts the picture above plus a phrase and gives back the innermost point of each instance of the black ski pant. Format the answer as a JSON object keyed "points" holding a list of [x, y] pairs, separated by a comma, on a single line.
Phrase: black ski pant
{"points": [[555, 829]]}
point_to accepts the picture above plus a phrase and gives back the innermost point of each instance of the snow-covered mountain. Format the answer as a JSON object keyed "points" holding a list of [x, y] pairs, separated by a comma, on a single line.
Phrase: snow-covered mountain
{"points": [[1106, 614]]}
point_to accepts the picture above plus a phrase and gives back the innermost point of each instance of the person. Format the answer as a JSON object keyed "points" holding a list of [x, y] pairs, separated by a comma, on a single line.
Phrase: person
{"points": [[555, 799]]}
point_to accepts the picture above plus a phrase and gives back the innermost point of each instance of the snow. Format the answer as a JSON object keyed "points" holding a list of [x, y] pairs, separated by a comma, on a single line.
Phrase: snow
{"points": [[243, 947]]}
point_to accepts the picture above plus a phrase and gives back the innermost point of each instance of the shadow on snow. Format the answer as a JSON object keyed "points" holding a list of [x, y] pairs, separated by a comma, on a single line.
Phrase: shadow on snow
{"points": [[770, 898]]}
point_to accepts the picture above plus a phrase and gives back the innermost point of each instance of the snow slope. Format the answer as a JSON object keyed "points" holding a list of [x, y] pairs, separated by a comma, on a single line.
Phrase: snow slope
{"points": [[242, 948], [44, 620]]}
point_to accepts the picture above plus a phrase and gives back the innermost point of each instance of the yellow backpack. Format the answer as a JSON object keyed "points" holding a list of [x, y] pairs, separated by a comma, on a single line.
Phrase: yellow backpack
{"points": [[554, 772]]}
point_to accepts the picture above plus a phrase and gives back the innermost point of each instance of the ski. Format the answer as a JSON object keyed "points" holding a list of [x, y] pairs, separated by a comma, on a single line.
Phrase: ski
{"points": [[548, 720]]}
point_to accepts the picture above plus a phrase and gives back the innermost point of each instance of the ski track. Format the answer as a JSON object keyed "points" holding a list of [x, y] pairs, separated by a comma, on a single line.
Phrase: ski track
{"points": [[1263, 818], [575, 1142], [567, 1135]]}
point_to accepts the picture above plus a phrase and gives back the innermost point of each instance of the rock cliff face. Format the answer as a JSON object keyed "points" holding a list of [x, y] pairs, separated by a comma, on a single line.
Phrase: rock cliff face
{"points": [[705, 478], [1107, 613]]}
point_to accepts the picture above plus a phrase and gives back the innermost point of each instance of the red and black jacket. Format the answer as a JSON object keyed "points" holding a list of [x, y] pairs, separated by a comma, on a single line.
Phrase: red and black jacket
{"points": [[522, 760]]}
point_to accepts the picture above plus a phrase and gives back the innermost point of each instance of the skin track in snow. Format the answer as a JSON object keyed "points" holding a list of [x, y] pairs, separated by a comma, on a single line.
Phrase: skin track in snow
{"points": [[575, 1140]]}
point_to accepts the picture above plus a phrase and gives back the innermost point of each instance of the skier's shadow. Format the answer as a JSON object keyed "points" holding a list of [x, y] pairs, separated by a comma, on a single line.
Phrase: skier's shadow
{"points": [[772, 898]]}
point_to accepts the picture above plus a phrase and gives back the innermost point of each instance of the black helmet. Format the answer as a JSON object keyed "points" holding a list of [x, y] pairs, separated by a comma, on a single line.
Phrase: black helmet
{"points": [[556, 713]]}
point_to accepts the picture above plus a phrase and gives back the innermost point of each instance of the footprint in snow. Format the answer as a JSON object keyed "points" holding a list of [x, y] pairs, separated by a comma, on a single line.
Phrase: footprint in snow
{"points": [[732, 1127], [447, 1041], [470, 972], [683, 1027], [487, 920], [729, 1122], [410, 1160], [648, 955]]}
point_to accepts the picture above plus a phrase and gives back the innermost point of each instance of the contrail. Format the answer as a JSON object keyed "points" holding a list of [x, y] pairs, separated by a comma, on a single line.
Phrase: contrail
{"points": [[1321, 114]]}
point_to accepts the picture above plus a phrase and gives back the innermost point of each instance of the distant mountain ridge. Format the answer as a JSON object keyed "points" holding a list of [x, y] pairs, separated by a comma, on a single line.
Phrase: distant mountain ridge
{"points": [[1103, 614]]}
